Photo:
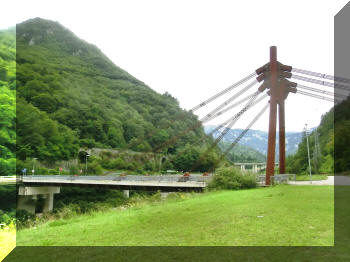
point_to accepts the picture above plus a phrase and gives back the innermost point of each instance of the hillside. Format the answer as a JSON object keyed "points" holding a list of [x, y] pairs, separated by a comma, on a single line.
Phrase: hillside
{"points": [[7, 101], [242, 153], [70, 95], [334, 143]]}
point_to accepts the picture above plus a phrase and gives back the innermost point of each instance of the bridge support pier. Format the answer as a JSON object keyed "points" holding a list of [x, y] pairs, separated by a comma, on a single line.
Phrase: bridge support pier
{"points": [[27, 198], [126, 193], [27, 203]]}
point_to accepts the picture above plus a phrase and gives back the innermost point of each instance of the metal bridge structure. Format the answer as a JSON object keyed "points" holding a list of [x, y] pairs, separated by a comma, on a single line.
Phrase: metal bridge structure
{"points": [[275, 85]]}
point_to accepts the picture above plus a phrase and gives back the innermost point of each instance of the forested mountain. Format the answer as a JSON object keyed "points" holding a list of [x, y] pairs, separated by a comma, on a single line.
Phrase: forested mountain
{"points": [[257, 139], [341, 137], [321, 150], [333, 138], [70, 95], [7, 101], [242, 153]]}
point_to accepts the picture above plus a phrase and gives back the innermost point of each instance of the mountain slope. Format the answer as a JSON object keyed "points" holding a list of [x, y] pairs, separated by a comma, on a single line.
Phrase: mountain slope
{"points": [[78, 97], [242, 153], [7, 102], [257, 139], [334, 143]]}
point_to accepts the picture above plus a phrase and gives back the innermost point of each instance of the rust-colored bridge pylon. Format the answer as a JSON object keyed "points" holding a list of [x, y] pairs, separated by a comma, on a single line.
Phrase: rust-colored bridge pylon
{"points": [[275, 74]]}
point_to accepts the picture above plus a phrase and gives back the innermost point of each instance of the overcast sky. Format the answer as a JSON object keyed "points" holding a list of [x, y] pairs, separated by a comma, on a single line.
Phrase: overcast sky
{"points": [[194, 49]]}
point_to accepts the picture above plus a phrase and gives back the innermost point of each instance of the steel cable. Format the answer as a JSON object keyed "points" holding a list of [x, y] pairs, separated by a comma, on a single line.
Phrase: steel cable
{"points": [[208, 117], [222, 125], [315, 96], [320, 91], [233, 120], [245, 79], [234, 143], [320, 82], [211, 114], [182, 115], [320, 75]]}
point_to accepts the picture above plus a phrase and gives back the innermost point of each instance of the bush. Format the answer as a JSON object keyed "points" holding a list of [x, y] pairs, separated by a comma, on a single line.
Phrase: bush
{"points": [[232, 178], [119, 163], [23, 218], [7, 217], [73, 170]]}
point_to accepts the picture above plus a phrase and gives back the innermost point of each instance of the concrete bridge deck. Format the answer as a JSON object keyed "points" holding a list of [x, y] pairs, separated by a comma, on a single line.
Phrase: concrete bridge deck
{"points": [[130, 182], [8, 179], [34, 187]]}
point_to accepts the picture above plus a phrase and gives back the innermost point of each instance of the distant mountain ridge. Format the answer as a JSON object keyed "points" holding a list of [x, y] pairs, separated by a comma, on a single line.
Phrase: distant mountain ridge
{"points": [[257, 139]]}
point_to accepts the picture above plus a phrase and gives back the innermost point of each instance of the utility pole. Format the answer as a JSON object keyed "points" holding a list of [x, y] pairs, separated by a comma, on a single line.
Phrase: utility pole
{"points": [[33, 170], [316, 151], [308, 152], [86, 157]]}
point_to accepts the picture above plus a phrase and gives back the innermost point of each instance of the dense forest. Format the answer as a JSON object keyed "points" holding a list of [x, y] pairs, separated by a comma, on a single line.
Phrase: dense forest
{"points": [[7, 101], [70, 95], [242, 153]]}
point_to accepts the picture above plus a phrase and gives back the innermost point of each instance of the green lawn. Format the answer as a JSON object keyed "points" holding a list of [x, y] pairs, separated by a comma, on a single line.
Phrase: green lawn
{"points": [[277, 216], [314, 177]]}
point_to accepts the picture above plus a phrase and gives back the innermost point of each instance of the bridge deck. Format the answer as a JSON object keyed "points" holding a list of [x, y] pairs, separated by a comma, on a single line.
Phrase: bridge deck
{"points": [[167, 182]]}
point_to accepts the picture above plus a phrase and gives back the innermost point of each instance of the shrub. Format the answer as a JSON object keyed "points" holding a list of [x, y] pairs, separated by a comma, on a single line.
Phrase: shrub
{"points": [[73, 170], [232, 178], [119, 163], [23, 218]]}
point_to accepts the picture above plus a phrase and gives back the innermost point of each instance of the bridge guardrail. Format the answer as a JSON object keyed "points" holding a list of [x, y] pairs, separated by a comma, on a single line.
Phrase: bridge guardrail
{"points": [[8, 179], [164, 178], [278, 178]]}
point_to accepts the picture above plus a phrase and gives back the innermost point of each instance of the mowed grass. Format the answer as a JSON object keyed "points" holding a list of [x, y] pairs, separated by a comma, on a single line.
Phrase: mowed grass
{"points": [[277, 216], [7, 242], [314, 177]]}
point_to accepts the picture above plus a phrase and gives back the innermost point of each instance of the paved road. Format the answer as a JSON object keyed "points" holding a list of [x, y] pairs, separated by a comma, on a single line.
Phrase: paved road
{"points": [[330, 181]]}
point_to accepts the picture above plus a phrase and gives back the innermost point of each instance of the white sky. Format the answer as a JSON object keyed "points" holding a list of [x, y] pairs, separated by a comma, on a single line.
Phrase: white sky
{"points": [[194, 49]]}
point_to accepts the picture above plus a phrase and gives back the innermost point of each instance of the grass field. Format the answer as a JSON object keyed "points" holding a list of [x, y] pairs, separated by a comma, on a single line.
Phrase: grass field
{"points": [[7, 242], [314, 177], [277, 216]]}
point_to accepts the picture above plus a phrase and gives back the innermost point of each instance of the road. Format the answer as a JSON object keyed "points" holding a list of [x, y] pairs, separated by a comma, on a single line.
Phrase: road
{"points": [[330, 181]]}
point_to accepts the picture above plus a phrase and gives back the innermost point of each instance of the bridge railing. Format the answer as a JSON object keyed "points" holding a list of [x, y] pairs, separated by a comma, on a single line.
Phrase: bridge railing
{"points": [[163, 178], [8, 179], [281, 178]]}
